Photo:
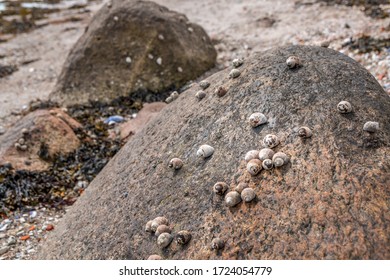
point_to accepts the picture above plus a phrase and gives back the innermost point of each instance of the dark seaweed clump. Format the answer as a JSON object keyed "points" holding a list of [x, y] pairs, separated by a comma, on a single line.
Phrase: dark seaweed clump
{"points": [[371, 8], [365, 44], [57, 187]]}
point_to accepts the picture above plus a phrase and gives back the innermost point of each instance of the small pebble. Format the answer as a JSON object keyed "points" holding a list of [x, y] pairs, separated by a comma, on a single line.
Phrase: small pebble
{"points": [[49, 227], [11, 240], [161, 37], [128, 59], [2, 130], [179, 69], [159, 61], [4, 250]]}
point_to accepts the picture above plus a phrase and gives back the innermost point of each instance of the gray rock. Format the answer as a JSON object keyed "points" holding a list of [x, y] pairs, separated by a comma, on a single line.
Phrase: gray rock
{"points": [[113, 57], [4, 250], [329, 202]]}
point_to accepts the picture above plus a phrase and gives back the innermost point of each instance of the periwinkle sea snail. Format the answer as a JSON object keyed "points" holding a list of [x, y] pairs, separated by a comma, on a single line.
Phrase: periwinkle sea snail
{"points": [[279, 159], [248, 194], [253, 154], [148, 226], [220, 91], [164, 239], [266, 153], [304, 132], [292, 62], [267, 164], [237, 62], [204, 84], [183, 237], [175, 163], [158, 221], [200, 94], [220, 188], [344, 107], [257, 119], [161, 229], [217, 244], [234, 73], [241, 186], [232, 198], [254, 166], [371, 127], [205, 151], [271, 141]]}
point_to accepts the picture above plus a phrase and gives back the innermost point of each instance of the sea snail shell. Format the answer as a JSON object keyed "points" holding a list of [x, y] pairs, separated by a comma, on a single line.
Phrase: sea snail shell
{"points": [[240, 187], [164, 239], [204, 84], [220, 91], [148, 226], [161, 229], [234, 73], [175, 163], [304, 132], [344, 107], [232, 198], [279, 159], [371, 127], [248, 194], [266, 153], [217, 244], [271, 141], [292, 62], [220, 188], [158, 221], [183, 237], [257, 119], [200, 94], [237, 62], [254, 166], [154, 258], [205, 151], [253, 154], [267, 164]]}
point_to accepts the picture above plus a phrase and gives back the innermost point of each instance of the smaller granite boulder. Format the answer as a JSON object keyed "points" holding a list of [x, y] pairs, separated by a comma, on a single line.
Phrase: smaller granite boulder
{"points": [[133, 47], [37, 138]]}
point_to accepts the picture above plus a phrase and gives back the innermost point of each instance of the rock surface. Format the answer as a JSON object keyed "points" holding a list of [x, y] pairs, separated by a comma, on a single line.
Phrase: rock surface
{"points": [[147, 113], [45, 133], [133, 47], [329, 202]]}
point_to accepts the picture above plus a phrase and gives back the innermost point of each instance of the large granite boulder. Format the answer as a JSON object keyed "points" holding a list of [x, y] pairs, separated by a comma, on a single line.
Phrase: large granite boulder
{"points": [[133, 47], [331, 201]]}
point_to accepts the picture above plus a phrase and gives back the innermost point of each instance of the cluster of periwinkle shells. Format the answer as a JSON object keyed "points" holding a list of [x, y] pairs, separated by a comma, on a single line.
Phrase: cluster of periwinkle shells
{"points": [[21, 144], [257, 160], [345, 107], [161, 229]]}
